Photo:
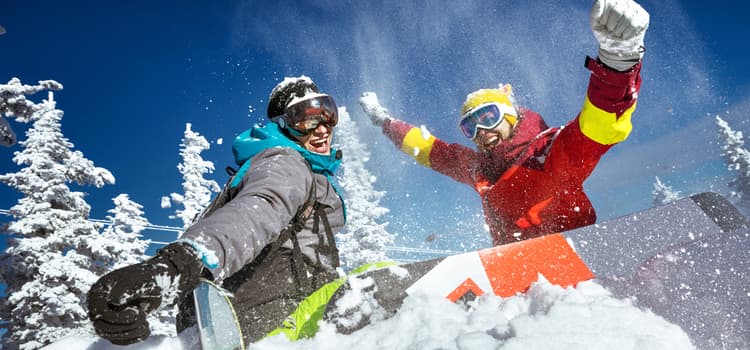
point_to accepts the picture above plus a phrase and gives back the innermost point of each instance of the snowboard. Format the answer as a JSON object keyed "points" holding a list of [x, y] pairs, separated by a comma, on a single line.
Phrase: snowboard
{"points": [[670, 259], [503, 270], [218, 326]]}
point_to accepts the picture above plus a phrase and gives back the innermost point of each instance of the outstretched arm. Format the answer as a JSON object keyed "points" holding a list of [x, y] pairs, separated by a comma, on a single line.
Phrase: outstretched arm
{"points": [[611, 98], [453, 160], [619, 26]]}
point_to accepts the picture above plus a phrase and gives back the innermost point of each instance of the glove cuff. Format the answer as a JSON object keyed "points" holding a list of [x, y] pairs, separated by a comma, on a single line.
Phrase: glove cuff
{"points": [[380, 121], [621, 61], [387, 123]]}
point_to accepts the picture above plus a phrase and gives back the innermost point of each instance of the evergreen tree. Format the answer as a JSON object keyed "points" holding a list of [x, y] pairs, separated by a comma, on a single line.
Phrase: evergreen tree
{"points": [[663, 193], [13, 103], [197, 189], [49, 265], [125, 244], [363, 239], [737, 159]]}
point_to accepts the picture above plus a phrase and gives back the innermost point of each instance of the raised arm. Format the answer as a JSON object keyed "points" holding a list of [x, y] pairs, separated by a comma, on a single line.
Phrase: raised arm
{"points": [[619, 26], [453, 160], [605, 118]]}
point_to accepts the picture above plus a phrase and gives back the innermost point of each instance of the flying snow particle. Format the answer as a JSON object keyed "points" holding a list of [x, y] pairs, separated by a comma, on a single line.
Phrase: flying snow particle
{"points": [[425, 133]]}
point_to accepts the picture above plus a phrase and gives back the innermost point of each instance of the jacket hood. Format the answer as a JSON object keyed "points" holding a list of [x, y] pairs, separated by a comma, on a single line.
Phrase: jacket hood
{"points": [[261, 137]]}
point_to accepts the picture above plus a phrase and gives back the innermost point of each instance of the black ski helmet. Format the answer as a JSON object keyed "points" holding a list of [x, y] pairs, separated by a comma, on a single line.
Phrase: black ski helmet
{"points": [[286, 91]]}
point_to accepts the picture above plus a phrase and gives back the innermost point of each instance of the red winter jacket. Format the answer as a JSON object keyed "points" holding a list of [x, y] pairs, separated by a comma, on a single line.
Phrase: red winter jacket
{"points": [[532, 184]]}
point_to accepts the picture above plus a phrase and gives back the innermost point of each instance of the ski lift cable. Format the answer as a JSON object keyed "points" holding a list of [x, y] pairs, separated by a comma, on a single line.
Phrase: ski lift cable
{"points": [[108, 222], [147, 226], [397, 249]]}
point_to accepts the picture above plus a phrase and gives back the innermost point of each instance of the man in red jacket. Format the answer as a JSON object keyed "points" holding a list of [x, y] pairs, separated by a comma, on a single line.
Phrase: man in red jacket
{"points": [[529, 176]]}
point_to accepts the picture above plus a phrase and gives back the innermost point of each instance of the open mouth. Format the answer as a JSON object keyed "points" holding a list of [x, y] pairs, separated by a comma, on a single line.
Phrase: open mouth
{"points": [[319, 143]]}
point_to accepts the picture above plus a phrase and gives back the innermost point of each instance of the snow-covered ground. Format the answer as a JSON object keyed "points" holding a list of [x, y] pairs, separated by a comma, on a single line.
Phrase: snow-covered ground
{"points": [[546, 317]]}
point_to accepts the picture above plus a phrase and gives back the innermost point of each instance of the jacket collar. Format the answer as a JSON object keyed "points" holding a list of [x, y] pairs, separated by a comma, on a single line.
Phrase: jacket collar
{"points": [[494, 162], [261, 137]]}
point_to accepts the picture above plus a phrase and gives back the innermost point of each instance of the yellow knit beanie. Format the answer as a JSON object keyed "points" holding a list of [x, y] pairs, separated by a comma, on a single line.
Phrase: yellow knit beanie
{"points": [[502, 95]]}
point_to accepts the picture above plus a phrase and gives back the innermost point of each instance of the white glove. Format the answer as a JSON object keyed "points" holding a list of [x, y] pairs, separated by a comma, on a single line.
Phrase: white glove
{"points": [[619, 26], [378, 114]]}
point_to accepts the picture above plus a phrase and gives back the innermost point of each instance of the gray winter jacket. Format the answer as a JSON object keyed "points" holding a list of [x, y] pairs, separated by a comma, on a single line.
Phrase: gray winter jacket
{"points": [[272, 190]]}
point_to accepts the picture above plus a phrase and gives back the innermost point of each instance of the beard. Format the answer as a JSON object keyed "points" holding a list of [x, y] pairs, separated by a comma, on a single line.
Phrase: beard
{"points": [[497, 160]]}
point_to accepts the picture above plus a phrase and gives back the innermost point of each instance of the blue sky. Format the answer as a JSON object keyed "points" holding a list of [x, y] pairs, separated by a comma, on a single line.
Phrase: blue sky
{"points": [[135, 72]]}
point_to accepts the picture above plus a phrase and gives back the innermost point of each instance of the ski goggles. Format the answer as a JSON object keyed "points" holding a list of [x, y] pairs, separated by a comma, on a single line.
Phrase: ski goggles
{"points": [[486, 116], [304, 116]]}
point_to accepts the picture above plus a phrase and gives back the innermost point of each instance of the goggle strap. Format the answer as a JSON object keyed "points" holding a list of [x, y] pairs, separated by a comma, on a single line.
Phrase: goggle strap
{"points": [[280, 120]]}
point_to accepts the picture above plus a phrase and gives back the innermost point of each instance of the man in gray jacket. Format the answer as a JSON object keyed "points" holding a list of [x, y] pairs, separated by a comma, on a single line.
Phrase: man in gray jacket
{"points": [[268, 237]]}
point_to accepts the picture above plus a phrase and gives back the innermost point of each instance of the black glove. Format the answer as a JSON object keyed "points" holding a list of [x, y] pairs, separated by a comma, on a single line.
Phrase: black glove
{"points": [[120, 301]]}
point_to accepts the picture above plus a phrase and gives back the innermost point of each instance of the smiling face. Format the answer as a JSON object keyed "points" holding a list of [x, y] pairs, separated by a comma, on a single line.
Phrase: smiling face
{"points": [[317, 141], [486, 139]]}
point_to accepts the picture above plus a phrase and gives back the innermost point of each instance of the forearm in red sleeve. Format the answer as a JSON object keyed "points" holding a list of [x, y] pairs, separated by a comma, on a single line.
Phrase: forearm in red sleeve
{"points": [[452, 160], [610, 101]]}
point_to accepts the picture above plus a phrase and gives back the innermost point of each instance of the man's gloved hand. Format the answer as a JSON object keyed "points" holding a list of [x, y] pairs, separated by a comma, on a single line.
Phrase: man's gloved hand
{"points": [[378, 114], [119, 302], [619, 26]]}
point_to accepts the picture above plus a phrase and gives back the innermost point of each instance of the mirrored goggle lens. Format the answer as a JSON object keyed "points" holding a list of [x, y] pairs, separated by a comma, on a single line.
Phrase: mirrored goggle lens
{"points": [[308, 114], [487, 116], [308, 125]]}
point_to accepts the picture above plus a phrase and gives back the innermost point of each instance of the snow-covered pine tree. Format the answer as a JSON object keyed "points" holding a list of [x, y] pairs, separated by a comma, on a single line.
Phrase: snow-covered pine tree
{"points": [[197, 189], [48, 266], [13, 103], [663, 193], [126, 244], [363, 239], [737, 159]]}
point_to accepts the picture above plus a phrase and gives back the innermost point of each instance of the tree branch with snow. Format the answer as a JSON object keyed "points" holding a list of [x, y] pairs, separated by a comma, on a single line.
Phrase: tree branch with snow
{"points": [[737, 158], [13, 103], [663, 194], [197, 189]]}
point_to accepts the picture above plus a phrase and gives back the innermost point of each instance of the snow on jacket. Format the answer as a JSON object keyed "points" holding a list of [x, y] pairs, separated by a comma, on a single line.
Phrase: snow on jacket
{"points": [[273, 185], [532, 184]]}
